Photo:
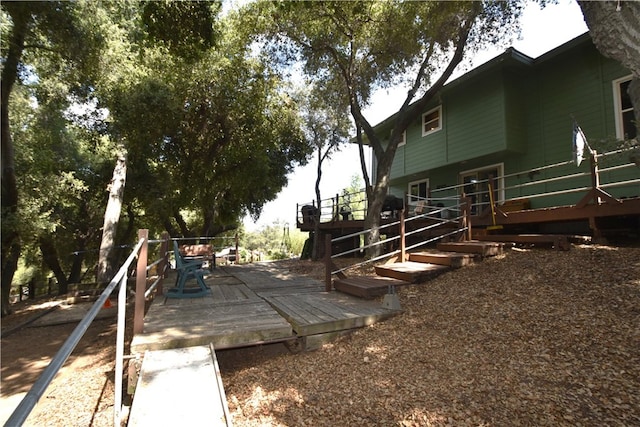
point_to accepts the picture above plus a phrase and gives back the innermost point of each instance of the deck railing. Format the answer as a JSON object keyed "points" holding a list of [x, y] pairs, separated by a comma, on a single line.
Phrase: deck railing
{"points": [[544, 186], [139, 251], [434, 216]]}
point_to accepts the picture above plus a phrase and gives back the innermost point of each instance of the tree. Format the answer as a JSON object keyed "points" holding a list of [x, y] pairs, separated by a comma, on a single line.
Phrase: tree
{"points": [[111, 218], [613, 26], [53, 30], [327, 127], [356, 47]]}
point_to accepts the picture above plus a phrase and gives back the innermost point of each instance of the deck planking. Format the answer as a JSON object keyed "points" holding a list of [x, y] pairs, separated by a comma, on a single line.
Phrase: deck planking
{"points": [[311, 314], [252, 304]]}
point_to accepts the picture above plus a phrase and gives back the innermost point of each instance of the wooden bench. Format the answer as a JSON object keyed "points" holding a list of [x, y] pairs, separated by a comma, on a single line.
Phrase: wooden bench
{"points": [[200, 252]]}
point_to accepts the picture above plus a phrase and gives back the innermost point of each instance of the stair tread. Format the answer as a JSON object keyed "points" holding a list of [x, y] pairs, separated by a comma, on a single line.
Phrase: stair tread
{"points": [[412, 266], [444, 254]]}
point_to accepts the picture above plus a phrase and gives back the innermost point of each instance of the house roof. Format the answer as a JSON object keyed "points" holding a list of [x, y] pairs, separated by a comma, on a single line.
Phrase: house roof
{"points": [[510, 56]]}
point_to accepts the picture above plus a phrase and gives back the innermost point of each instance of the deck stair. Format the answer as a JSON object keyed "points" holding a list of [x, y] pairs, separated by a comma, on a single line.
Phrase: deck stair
{"points": [[420, 267], [557, 241], [411, 271], [450, 259], [483, 249]]}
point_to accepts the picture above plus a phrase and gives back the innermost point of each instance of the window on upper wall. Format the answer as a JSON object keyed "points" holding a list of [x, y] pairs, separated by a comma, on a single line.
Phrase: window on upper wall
{"points": [[432, 121], [625, 120], [403, 138]]}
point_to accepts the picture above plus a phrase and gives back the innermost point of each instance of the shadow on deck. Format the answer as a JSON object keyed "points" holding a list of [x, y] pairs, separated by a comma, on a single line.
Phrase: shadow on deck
{"points": [[251, 305]]}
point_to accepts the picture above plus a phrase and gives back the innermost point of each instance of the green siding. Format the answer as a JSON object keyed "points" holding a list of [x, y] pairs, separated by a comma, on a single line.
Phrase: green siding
{"points": [[475, 119], [521, 114]]}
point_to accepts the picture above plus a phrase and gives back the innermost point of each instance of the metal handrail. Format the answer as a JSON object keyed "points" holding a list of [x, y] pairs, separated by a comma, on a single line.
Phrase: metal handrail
{"points": [[29, 401]]}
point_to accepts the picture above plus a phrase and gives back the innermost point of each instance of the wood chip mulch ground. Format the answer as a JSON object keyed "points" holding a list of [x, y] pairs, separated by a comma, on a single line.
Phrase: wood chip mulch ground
{"points": [[535, 337]]}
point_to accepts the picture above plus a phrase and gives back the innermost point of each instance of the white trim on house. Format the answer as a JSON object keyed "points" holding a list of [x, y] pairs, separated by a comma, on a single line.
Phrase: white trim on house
{"points": [[431, 122], [617, 105]]}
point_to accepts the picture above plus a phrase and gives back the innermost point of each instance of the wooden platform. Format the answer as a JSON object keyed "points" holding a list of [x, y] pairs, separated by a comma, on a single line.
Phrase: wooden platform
{"points": [[180, 387], [250, 305]]}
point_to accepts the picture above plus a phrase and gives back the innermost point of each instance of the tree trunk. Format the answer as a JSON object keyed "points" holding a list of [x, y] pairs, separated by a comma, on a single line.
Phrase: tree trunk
{"points": [[50, 257], [184, 228], [9, 265], [111, 218], [316, 214], [11, 248], [613, 26], [75, 275]]}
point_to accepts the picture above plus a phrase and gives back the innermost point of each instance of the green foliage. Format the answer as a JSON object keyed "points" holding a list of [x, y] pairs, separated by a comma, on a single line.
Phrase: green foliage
{"points": [[269, 241], [210, 131], [186, 28]]}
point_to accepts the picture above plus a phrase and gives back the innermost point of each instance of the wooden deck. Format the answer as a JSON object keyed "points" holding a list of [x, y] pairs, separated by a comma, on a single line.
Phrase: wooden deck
{"points": [[250, 305]]}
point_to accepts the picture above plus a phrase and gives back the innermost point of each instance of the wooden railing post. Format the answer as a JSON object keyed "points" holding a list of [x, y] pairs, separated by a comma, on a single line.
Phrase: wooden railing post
{"points": [[164, 253], [403, 244], [141, 283], [466, 216], [327, 263]]}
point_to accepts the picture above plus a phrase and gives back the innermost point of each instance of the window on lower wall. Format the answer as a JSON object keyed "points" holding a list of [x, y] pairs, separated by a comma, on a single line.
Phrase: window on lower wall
{"points": [[476, 186], [417, 195], [625, 120]]}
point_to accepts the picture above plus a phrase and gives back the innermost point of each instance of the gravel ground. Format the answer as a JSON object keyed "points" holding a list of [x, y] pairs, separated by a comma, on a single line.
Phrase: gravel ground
{"points": [[535, 337]]}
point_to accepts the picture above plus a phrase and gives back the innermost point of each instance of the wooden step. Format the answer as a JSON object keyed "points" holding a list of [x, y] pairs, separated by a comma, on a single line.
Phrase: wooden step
{"points": [[450, 259], [366, 286], [484, 249], [558, 241], [409, 271]]}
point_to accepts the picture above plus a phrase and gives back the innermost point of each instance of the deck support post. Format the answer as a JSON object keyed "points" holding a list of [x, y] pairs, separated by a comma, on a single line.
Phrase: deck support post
{"points": [[327, 263], [141, 282], [403, 243], [466, 217]]}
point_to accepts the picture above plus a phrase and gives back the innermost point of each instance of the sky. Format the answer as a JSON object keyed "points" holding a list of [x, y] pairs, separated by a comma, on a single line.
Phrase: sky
{"points": [[542, 31]]}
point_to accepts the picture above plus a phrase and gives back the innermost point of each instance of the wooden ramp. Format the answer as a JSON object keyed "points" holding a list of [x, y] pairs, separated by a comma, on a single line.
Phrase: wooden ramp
{"points": [[180, 387]]}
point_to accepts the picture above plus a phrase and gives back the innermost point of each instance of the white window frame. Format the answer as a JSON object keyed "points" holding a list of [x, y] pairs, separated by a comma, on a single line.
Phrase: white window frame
{"points": [[418, 182], [439, 127], [617, 107], [403, 141]]}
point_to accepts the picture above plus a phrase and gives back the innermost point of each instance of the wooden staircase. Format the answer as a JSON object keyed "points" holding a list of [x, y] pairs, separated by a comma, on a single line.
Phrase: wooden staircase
{"points": [[419, 267]]}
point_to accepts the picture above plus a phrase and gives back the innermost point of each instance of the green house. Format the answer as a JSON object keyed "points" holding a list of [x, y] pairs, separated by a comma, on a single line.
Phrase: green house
{"points": [[510, 123]]}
